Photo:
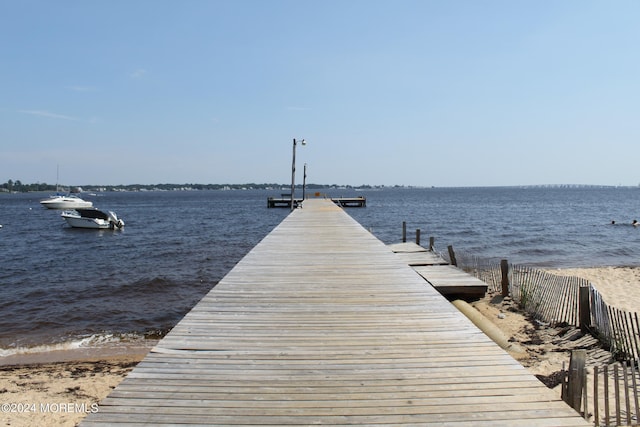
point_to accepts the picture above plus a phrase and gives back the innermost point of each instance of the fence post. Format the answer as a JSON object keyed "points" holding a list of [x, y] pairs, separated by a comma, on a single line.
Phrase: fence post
{"points": [[404, 231], [585, 309], [452, 256], [627, 399], [605, 380], [596, 412], [504, 267], [635, 389], [418, 236], [616, 392], [576, 379]]}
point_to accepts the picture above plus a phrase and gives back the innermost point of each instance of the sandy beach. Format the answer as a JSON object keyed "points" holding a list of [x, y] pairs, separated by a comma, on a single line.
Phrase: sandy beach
{"points": [[548, 348], [61, 388], [619, 286]]}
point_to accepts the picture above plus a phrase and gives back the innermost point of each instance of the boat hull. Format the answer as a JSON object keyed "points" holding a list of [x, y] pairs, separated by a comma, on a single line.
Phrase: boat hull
{"points": [[91, 223], [92, 219], [65, 202]]}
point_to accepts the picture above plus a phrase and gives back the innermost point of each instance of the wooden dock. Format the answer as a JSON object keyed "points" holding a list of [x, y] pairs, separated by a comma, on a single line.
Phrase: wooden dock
{"points": [[345, 202], [449, 281], [322, 324]]}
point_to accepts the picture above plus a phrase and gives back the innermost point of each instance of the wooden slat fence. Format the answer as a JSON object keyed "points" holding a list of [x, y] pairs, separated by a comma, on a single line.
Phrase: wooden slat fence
{"points": [[550, 298], [555, 299], [620, 406], [610, 395], [547, 297], [618, 329]]}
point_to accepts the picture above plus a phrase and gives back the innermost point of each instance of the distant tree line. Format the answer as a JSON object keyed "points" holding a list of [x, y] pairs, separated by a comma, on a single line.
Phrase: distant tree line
{"points": [[18, 187]]}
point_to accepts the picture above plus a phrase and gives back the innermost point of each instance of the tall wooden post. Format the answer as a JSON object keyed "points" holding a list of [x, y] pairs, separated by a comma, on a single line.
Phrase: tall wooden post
{"points": [[404, 231], [452, 256], [575, 385], [504, 267], [418, 236], [432, 242], [585, 309]]}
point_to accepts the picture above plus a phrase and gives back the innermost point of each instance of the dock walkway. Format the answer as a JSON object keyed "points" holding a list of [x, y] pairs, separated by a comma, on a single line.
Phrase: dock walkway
{"points": [[322, 324], [449, 281]]}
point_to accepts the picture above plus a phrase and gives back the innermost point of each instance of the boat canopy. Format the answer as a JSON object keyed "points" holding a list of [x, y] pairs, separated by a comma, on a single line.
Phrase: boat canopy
{"points": [[92, 213]]}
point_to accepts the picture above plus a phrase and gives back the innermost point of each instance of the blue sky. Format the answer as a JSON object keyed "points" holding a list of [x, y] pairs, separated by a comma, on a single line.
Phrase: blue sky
{"points": [[443, 93]]}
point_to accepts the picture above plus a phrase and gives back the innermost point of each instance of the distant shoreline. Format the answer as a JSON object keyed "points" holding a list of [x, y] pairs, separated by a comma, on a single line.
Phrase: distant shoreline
{"points": [[89, 188]]}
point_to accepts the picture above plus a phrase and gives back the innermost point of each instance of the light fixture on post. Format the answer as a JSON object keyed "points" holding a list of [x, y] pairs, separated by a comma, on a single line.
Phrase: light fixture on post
{"points": [[293, 171]]}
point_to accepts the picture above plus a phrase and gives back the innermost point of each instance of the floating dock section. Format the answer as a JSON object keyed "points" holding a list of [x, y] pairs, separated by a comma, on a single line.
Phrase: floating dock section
{"points": [[322, 324], [345, 202]]}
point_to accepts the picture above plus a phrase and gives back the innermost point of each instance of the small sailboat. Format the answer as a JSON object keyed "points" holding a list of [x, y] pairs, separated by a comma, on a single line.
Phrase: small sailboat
{"points": [[64, 201], [68, 201]]}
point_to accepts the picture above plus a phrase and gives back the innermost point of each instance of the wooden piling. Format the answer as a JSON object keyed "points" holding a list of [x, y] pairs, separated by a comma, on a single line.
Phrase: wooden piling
{"points": [[504, 268], [452, 255], [585, 309]]}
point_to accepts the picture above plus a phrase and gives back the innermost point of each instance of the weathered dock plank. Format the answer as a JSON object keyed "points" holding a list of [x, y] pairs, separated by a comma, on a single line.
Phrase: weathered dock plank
{"points": [[322, 324], [451, 281], [415, 255]]}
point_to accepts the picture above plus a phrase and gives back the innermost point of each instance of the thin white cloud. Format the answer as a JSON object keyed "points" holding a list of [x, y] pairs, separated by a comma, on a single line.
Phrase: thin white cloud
{"points": [[138, 74], [47, 114], [82, 88]]}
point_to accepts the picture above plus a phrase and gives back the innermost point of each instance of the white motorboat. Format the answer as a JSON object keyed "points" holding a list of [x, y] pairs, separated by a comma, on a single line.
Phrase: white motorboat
{"points": [[65, 202], [92, 218]]}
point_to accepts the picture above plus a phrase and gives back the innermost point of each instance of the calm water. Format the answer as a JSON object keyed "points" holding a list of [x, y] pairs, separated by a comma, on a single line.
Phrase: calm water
{"points": [[63, 285]]}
